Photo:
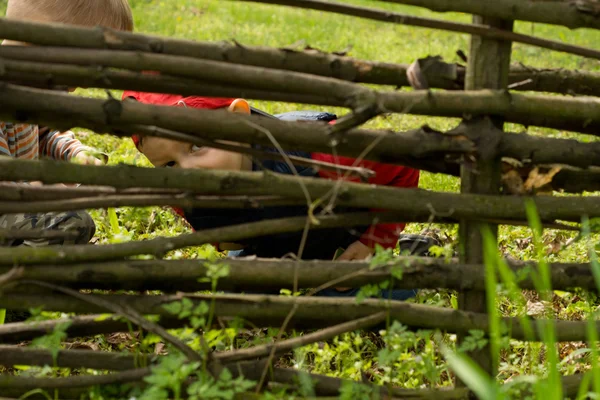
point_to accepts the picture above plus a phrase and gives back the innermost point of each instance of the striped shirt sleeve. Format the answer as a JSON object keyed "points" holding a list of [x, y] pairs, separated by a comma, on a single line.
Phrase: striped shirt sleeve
{"points": [[4, 150], [59, 145]]}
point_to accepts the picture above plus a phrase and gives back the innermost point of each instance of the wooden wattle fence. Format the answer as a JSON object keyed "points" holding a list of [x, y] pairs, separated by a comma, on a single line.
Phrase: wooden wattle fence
{"points": [[501, 173]]}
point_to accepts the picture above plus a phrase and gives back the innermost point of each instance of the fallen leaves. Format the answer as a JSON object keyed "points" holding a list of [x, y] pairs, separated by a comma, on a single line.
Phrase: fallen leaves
{"points": [[520, 179]]}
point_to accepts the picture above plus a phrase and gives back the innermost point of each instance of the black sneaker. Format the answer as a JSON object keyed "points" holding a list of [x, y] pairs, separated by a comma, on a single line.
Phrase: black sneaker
{"points": [[416, 245]]}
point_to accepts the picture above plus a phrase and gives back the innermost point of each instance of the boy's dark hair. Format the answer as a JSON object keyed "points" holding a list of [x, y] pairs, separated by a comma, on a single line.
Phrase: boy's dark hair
{"points": [[114, 14]]}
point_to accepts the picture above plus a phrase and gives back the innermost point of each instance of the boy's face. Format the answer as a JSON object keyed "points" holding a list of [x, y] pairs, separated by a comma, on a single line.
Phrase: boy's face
{"points": [[171, 154]]}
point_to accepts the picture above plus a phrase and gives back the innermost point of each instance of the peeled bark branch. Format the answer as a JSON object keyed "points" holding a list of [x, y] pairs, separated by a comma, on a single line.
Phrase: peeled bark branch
{"points": [[396, 18], [566, 13], [272, 275], [311, 312]]}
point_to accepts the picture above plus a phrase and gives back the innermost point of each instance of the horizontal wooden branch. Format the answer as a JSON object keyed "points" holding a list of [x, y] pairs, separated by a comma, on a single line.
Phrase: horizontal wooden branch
{"points": [[12, 355], [404, 19], [24, 192], [421, 149], [79, 326], [72, 382], [178, 200], [438, 73], [411, 148], [159, 246], [311, 312], [409, 204], [323, 385], [208, 182], [272, 275], [17, 393], [566, 13], [63, 112], [98, 360], [523, 77], [87, 64], [217, 79]]}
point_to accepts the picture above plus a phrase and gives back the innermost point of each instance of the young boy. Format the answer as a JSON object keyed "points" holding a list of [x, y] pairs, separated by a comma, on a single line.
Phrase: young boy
{"points": [[31, 142], [357, 243]]}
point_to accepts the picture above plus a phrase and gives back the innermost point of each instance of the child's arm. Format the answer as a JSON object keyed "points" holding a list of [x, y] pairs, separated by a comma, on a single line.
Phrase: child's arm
{"points": [[386, 235], [64, 146], [4, 150]]}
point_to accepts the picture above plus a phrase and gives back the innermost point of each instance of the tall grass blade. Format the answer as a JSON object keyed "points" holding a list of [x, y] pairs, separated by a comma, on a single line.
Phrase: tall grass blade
{"points": [[490, 259], [592, 334], [484, 387], [550, 388]]}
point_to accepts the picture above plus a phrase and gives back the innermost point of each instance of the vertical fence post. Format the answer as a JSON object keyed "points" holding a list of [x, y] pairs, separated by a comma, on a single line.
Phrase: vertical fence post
{"points": [[488, 68]]}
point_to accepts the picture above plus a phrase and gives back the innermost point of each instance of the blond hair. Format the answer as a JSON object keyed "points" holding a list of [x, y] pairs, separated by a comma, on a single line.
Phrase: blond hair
{"points": [[114, 14]]}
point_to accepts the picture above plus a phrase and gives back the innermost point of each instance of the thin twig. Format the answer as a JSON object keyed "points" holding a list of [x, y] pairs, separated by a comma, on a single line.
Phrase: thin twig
{"points": [[126, 312], [290, 344], [11, 276], [286, 321]]}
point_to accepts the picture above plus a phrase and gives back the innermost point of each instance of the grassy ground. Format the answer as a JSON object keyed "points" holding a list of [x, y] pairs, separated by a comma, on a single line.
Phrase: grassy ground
{"points": [[409, 360]]}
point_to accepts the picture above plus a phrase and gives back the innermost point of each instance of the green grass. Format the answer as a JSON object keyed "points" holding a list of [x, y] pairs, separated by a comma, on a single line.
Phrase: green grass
{"points": [[408, 359]]}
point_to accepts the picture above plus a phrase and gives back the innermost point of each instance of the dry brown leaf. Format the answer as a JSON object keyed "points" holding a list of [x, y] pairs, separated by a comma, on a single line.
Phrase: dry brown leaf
{"points": [[538, 180]]}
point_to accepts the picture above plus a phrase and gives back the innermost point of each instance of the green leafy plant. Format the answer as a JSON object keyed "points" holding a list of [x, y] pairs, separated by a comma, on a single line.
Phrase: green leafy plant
{"points": [[53, 341]]}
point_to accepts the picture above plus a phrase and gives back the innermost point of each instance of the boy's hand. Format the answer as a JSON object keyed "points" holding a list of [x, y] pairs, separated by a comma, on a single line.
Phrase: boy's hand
{"points": [[356, 251], [87, 158]]}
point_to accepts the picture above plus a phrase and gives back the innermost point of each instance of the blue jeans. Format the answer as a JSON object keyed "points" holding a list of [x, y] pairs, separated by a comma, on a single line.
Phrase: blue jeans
{"points": [[394, 294]]}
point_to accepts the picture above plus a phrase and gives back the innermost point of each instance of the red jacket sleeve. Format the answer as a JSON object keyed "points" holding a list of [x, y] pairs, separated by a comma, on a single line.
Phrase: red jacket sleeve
{"points": [[386, 175]]}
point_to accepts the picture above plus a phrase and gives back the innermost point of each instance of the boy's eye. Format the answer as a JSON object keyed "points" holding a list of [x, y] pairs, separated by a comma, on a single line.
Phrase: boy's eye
{"points": [[195, 148], [170, 164]]}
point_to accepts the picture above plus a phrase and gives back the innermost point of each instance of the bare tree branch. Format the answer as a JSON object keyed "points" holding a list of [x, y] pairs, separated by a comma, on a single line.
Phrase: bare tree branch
{"points": [[472, 29], [564, 13], [273, 274], [98, 360], [311, 312], [127, 312], [290, 344]]}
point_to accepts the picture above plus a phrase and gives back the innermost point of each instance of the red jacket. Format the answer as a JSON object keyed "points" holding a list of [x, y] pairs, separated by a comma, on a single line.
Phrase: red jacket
{"points": [[385, 175]]}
